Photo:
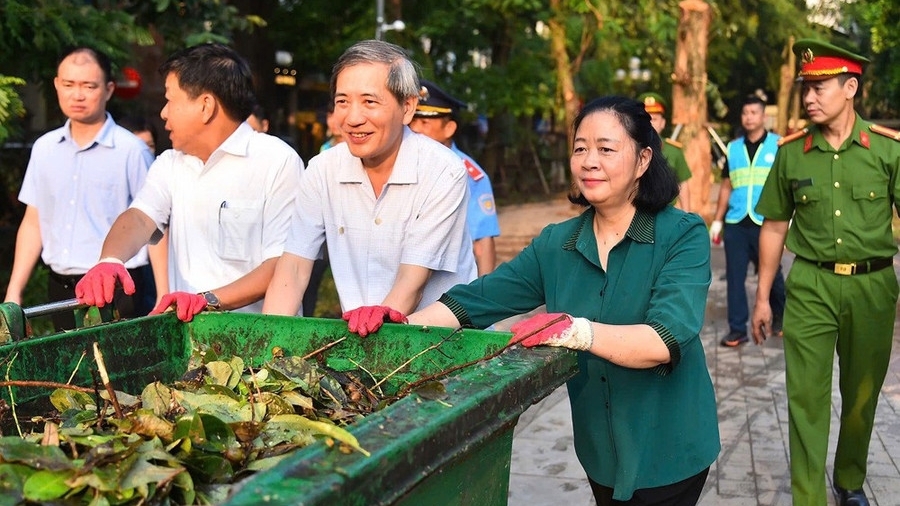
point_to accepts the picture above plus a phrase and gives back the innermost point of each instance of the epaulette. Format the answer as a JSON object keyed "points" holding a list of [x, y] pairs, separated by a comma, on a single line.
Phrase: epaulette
{"points": [[794, 136], [885, 131], [675, 143], [474, 172]]}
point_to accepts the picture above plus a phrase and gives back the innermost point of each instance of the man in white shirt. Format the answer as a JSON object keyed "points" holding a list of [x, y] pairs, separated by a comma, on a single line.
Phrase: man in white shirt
{"points": [[224, 192], [389, 203], [65, 222]]}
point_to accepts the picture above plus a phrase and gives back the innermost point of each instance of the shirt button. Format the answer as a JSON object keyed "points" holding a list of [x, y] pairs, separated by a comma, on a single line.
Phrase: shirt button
{"points": [[837, 184], [839, 241], [378, 221], [871, 195], [72, 202], [836, 156], [803, 198], [837, 213], [341, 230]]}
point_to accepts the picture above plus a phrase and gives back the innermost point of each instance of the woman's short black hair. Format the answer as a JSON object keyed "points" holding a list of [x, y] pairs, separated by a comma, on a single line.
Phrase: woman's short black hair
{"points": [[658, 187]]}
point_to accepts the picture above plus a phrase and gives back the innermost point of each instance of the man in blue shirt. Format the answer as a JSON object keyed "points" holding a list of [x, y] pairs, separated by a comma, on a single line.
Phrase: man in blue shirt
{"points": [[436, 116], [79, 178], [749, 159]]}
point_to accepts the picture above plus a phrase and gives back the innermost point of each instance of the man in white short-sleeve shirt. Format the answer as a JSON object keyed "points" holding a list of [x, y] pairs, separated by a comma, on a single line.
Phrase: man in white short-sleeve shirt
{"points": [[224, 192], [65, 220], [389, 203]]}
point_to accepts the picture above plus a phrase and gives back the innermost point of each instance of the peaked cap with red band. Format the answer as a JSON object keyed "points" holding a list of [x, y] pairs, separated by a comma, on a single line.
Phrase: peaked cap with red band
{"points": [[653, 103], [820, 60]]}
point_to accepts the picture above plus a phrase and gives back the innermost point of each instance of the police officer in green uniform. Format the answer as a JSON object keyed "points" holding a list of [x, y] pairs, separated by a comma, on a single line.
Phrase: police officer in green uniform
{"points": [[655, 106], [837, 180]]}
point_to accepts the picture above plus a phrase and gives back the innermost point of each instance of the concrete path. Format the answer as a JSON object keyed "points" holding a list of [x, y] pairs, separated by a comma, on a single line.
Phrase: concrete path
{"points": [[752, 468]]}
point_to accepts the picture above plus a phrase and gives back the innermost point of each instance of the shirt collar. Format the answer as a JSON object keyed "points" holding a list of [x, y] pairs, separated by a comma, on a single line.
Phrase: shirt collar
{"points": [[405, 170], [238, 143], [640, 230], [859, 135], [749, 143], [104, 136]]}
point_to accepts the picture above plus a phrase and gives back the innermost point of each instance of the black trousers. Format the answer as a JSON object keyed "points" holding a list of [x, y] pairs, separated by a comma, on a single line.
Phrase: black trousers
{"points": [[684, 493], [311, 296], [62, 287]]}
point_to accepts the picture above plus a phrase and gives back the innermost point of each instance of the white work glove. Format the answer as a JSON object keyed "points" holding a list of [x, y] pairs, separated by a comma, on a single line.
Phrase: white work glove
{"points": [[715, 231]]}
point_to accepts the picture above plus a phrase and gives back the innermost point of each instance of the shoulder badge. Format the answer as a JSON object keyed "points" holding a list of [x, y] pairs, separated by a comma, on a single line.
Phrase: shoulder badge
{"points": [[674, 143], [794, 136], [474, 172], [885, 131]]}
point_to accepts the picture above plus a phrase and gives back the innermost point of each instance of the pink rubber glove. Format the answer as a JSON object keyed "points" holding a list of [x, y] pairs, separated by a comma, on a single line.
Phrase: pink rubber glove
{"points": [[366, 320], [554, 329], [96, 288], [186, 304]]}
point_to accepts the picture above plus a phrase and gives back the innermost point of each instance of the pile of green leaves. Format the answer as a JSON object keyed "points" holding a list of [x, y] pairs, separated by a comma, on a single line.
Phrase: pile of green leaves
{"points": [[185, 443]]}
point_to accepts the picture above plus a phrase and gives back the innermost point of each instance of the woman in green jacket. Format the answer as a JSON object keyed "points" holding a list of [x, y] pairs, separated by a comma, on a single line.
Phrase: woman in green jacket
{"points": [[625, 283]]}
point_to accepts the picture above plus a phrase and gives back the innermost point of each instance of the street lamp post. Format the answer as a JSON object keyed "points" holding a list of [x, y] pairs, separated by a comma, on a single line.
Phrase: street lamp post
{"points": [[380, 25]]}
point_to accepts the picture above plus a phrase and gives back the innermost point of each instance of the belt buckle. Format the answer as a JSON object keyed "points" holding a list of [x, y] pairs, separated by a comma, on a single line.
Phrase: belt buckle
{"points": [[845, 269]]}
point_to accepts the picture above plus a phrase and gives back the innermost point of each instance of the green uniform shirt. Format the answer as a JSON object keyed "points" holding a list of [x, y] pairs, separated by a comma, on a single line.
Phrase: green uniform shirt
{"points": [[840, 200], [634, 428], [675, 156]]}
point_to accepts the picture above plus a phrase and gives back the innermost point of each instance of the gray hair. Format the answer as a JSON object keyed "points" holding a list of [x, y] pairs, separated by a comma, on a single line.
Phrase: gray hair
{"points": [[403, 76]]}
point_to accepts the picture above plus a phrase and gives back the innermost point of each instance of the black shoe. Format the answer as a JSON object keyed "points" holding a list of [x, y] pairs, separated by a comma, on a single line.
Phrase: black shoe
{"points": [[734, 339], [846, 497]]}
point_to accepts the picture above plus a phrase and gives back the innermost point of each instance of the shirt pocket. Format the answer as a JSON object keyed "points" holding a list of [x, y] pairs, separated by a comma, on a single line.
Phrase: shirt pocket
{"points": [[240, 228], [871, 200]]}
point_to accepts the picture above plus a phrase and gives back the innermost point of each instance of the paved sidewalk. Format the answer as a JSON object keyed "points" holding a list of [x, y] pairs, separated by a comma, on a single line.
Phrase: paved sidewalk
{"points": [[752, 468]]}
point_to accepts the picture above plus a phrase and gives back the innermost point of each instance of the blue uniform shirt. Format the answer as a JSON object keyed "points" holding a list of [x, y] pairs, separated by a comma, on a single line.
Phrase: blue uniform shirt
{"points": [[482, 212]]}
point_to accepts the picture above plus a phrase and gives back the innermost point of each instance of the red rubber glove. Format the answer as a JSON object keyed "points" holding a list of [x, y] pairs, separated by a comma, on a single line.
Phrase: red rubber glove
{"points": [[366, 320], [96, 288], [553, 329], [186, 304]]}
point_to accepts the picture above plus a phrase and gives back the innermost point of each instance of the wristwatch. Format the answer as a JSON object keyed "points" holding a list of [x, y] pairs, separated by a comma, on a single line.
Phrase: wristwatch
{"points": [[212, 302]]}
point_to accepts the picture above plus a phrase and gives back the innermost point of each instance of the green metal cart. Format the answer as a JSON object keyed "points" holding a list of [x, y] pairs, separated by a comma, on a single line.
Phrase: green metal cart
{"points": [[455, 451]]}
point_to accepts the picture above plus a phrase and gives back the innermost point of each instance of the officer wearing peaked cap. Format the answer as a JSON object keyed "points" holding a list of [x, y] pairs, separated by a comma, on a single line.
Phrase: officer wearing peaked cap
{"points": [[829, 199], [655, 106], [437, 117]]}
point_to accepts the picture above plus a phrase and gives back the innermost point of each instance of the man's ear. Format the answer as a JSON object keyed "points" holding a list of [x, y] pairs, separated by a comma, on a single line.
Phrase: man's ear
{"points": [[409, 109], [209, 106], [851, 86], [110, 88], [450, 127]]}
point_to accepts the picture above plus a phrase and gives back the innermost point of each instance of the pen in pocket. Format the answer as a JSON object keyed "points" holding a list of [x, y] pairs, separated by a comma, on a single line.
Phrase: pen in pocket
{"points": [[223, 205]]}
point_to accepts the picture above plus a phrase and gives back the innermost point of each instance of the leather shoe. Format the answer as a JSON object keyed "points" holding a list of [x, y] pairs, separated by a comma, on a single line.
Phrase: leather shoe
{"points": [[850, 497]]}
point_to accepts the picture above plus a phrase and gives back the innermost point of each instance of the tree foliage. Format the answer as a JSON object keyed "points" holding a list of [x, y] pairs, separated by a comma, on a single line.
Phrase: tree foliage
{"points": [[494, 54]]}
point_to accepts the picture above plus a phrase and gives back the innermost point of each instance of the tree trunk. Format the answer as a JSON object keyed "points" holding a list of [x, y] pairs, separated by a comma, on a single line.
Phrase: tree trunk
{"points": [[565, 85], [689, 99], [786, 85]]}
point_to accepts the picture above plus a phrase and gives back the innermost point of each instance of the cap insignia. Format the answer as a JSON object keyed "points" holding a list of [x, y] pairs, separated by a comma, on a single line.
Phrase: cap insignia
{"points": [[807, 56]]}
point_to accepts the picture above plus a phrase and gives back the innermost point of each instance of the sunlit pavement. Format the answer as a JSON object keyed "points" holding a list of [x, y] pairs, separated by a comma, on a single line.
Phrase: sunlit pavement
{"points": [[752, 468]]}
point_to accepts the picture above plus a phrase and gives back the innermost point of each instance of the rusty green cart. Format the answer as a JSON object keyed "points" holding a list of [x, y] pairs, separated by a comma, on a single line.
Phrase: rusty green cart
{"points": [[453, 452]]}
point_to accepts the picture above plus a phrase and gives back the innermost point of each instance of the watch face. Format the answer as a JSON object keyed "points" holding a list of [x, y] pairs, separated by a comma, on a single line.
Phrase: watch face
{"points": [[211, 299]]}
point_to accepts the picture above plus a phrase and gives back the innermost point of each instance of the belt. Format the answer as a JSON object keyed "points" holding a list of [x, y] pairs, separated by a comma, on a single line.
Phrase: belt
{"points": [[69, 281], [66, 280], [851, 268]]}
